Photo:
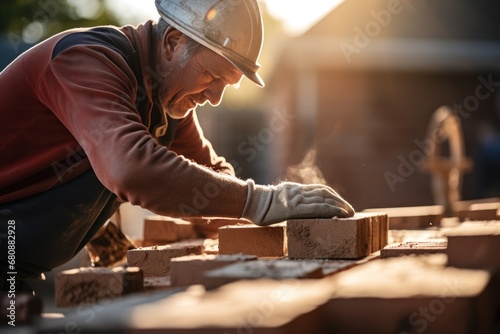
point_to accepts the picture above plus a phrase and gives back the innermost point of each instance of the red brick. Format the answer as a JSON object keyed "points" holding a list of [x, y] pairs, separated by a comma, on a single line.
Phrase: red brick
{"points": [[162, 230], [335, 238], [155, 260], [90, 285], [189, 270], [267, 241], [278, 269]]}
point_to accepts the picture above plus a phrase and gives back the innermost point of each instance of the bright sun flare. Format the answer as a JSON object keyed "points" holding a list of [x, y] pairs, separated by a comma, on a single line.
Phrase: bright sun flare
{"points": [[296, 16]]}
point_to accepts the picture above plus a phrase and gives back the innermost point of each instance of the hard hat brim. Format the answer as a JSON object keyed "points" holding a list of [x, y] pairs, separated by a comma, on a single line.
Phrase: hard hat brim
{"points": [[250, 74], [192, 23]]}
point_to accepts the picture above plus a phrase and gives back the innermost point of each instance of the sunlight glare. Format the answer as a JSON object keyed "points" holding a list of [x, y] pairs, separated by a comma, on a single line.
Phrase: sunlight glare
{"points": [[299, 16], [296, 16]]}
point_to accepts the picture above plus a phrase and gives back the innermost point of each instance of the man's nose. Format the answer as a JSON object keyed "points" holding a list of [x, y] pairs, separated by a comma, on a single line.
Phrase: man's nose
{"points": [[215, 92]]}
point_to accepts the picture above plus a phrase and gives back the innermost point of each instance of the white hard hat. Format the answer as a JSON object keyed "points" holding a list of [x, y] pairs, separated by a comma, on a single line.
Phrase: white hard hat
{"points": [[230, 28]]}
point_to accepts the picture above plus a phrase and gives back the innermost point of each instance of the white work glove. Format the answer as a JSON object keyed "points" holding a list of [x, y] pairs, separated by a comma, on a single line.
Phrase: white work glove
{"points": [[268, 205]]}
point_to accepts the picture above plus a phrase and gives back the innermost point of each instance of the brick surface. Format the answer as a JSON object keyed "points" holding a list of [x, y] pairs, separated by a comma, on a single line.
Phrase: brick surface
{"points": [[461, 209], [379, 228], [384, 230], [400, 236], [409, 295], [89, 285], [484, 211], [336, 238], [414, 248], [162, 230], [278, 269], [155, 260], [189, 270], [267, 241], [474, 246]]}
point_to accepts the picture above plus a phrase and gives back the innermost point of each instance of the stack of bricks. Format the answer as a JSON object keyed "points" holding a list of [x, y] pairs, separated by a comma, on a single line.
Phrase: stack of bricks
{"points": [[337, 238], [334, 238]]}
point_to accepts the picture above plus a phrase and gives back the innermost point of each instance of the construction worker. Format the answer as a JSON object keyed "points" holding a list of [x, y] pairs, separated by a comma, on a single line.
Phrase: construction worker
{"points": [[92, 118]]}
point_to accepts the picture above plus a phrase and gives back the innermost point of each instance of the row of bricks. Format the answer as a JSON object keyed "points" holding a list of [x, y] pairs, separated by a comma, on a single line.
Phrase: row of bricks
{"points": [[345, 238], [162, 230], [410, 294], [271, 241], [335, 238], [88, 284], [301, 239]]}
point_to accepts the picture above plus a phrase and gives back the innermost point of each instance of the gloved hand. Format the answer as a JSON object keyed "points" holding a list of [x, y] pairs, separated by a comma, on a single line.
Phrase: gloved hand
{"points": [[267, 205]]}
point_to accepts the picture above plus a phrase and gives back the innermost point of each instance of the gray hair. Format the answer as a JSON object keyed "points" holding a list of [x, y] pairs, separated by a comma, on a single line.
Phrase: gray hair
{"points": [[191, 48]]}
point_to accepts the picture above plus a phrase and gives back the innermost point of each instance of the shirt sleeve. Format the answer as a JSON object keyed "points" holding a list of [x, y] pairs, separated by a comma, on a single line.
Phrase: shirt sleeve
{"points": [[190, 142], [92, 91]]}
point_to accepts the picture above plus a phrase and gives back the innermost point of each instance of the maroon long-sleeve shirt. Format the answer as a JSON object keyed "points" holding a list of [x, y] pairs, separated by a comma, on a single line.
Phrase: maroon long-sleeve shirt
{"points": [[76, 101]]}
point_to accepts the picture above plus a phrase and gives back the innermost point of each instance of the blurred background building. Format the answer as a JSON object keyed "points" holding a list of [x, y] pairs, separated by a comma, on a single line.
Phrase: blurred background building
{"points": [[365, 80]]}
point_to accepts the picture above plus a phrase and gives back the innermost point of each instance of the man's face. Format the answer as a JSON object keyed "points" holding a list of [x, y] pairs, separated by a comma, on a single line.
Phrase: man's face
{"points": [[202, 79]]}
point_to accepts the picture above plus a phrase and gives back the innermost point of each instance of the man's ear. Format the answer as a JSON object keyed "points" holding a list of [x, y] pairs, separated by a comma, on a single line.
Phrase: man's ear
{"points": [[171, 39]]}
